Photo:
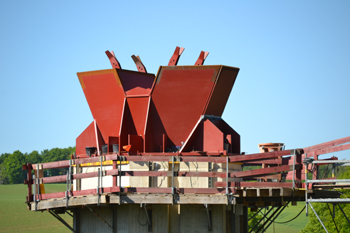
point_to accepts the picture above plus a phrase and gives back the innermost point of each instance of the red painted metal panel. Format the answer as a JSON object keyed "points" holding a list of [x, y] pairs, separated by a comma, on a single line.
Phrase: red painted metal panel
{"points": [[125, 127], [235, 137], [136, 143], [136, 83], [222, 90], [138, 108], [213, 138], [179, 98], [86, 139], [105, 96]]}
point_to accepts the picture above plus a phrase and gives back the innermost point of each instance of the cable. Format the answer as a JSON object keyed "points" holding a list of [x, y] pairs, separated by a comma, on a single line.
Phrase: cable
{"points": [[292, 218], [138, 219]]}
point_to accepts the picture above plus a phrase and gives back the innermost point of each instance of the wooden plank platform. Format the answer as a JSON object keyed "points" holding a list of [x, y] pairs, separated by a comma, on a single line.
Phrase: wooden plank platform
{"points": [[246, 195]]}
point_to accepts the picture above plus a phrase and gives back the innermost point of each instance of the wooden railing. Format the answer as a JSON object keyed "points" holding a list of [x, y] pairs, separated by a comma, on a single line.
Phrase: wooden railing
{"points": [[287, 164], [292, 167]]}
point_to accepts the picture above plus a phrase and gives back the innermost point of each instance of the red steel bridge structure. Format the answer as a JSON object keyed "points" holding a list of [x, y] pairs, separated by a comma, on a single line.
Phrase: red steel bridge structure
{"points": [[174, 117]]}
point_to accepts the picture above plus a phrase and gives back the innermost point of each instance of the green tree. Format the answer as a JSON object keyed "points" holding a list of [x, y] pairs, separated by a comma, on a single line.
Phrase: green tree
{"points": [[4, 179], [3, 175], [12, 168], [56, 154], [3, 157], [34, 157]]}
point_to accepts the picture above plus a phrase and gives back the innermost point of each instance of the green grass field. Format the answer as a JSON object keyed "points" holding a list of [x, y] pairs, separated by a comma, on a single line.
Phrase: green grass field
{"points": [[288, 213], [14, 216]]}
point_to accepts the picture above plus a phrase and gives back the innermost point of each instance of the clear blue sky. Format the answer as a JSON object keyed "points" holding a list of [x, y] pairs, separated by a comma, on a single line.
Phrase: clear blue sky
{"points": [[293, 86]]}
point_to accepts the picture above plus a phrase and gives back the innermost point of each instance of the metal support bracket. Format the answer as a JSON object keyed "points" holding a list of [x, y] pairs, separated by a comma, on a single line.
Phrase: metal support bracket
{"points": [[202, 56], [139, 64], [176, 56], [61, 220], [114, 62]]}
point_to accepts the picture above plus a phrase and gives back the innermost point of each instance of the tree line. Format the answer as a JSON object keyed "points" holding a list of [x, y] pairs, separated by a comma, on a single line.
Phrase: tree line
{"points": [[11, 164]]}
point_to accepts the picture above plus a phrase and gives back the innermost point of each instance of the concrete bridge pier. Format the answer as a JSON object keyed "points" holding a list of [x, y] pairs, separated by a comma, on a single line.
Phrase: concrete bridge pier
{"points": [[161, 218]]}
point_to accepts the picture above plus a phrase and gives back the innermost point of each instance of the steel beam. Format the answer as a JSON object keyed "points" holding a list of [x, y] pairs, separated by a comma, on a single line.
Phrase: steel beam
{"points": [[61, 220]]}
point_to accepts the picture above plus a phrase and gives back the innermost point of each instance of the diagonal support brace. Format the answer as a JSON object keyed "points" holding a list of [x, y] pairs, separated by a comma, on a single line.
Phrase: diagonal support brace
{"points": [[61, 220], [97, 215], [318, 217]]}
